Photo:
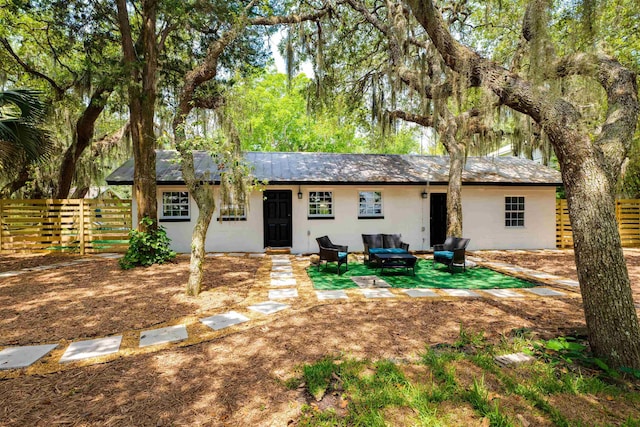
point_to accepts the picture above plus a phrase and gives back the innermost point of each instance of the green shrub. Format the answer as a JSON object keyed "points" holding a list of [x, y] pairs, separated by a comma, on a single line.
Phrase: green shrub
{"points": [[147, 247]]}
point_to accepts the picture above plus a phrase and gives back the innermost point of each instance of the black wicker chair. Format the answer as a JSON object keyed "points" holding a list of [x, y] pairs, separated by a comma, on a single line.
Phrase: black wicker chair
{"points": [[451, 252], [332, 253]]}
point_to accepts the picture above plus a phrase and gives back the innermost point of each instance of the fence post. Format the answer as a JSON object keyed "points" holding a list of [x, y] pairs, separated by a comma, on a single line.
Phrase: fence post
{"points": [[81, 226]]}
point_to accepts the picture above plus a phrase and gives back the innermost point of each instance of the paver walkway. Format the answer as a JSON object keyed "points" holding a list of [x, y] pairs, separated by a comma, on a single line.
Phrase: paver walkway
{"points": [[283, 286]]}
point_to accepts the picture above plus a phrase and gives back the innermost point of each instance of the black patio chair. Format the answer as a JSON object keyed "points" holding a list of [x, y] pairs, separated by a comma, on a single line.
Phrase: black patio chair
{"points": [[332, 253], [451, 253]]}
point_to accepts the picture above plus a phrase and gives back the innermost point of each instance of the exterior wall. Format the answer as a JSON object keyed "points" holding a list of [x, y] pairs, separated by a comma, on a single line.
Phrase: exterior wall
{"points": [[483, 218], [405, 212]]}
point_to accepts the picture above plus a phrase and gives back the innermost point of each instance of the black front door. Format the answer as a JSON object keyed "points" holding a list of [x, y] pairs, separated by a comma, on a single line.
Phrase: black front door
{"points": [[438, 229], [277, 218]]}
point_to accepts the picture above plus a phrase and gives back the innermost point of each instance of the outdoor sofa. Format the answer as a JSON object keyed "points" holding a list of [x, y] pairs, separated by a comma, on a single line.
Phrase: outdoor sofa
{"points": [[383, 244], [332, 253], [451, 252]]}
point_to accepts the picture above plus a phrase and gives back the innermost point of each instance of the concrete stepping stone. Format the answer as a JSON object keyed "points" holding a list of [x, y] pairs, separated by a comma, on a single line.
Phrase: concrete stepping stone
{"points": [[225, 320], [268, 307], [11, 273], [419, 293], [283, 293], [460, 293], [370, 282], [513, 359], [254, 255], [110, 255], [539, 275], [163, 335], [21, 357], [49, 267], [283, 261], [572, 283], [503, 293], [283, 282], [91, 348], [325, 295], [282, 268], [377, 293], [281, 275], [545, 292]]}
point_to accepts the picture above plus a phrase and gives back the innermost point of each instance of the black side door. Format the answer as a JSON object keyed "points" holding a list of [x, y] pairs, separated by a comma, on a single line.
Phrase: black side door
{"points": [[438, 228], [277, 218]]}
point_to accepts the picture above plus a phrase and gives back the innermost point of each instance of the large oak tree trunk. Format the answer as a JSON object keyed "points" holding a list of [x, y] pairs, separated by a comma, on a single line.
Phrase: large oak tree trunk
{"points": [[82, 136], [142, 97], [589, 169]]}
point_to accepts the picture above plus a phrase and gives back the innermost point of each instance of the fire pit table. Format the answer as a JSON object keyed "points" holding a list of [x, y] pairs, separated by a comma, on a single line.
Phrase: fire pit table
{"points": [[407, 261]]}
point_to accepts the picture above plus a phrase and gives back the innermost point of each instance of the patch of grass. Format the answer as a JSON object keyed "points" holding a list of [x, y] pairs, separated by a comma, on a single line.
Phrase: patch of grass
{"points": [[426, 277], [379, 394], [318, 375], [478, 396]]}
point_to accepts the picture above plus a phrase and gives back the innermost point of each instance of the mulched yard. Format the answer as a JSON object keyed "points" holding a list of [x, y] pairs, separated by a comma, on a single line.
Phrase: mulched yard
{"points": [[562, 263], [97, 298], [239, 378]]}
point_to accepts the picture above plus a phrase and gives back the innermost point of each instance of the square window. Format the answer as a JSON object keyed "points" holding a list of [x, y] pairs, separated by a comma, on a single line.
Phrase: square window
{"points": [[233, 212], [175, 204], [320, 204], [370, 204]]}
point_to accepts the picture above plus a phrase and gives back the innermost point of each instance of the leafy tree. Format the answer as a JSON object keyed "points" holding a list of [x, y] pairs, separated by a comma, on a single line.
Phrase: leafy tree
{"points": [[590, 161]]}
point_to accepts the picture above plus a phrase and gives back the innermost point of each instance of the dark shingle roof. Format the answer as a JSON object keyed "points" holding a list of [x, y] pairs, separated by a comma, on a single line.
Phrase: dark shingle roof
{"points": [[332, 168]]}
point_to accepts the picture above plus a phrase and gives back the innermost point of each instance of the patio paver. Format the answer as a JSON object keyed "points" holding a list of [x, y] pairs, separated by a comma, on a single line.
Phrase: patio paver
{"points": [[572, 283], [419, 293], [163, 335], [225, 320], [21, 357], [460, 293], [326, 295], [283, 293], [377, 293], [80, 350], [503, 293], [282, 274], [284, 268], [268, 307], [545, 292], [283, 282]]}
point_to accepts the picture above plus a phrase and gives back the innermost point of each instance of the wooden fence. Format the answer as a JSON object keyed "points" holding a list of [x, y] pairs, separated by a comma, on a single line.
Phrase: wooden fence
{"points": [[627, 214], [70, 225]]}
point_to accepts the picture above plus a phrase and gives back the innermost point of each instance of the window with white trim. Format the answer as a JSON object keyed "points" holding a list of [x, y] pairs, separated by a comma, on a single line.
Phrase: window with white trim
{"points": [[370, 204], [514, 211], [175, 205], [320, 204], [233, 212]]}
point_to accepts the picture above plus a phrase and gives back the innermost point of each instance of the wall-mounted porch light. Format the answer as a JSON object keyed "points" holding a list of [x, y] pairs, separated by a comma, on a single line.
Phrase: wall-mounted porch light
{"points": [[299, 193]]}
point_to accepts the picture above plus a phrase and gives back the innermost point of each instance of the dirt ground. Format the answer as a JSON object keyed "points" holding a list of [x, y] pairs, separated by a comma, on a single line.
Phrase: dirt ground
{"points": [[237, 379]]}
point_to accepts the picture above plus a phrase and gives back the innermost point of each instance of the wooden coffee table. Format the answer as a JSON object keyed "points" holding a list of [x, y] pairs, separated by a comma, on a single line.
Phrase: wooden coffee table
{"points": [[407, 261]]}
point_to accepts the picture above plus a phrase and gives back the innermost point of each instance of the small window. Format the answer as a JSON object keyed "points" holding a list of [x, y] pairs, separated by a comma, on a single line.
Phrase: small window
{"points": [[175, 205], [320, 204], [514, 211], [370, 205], [233, 212]]}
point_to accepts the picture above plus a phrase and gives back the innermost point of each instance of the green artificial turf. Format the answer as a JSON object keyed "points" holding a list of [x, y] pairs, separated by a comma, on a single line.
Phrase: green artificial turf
{"points": [[426, 277]]}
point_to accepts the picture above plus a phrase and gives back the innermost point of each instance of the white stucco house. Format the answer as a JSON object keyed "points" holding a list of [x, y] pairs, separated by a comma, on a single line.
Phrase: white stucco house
{"points": [[507, 202]]}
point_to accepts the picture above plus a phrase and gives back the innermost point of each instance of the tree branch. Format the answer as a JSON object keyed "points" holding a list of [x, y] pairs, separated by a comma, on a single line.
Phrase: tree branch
{"points": [[59, 91]]}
